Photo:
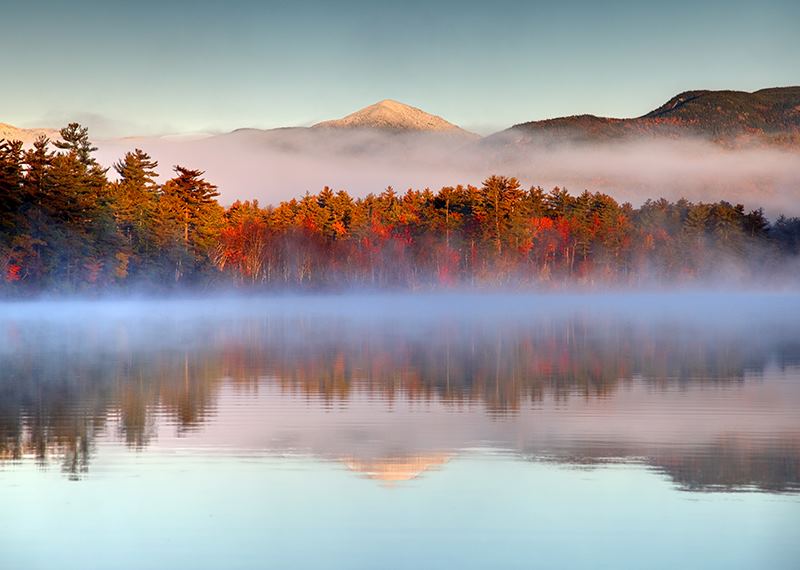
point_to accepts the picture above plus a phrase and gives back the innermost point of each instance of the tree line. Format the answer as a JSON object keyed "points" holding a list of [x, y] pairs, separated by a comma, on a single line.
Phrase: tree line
{"points": [[66, 225]]}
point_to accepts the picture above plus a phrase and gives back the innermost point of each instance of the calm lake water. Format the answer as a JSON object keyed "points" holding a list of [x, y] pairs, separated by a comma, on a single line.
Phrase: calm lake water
{"points": [[402, 431]]}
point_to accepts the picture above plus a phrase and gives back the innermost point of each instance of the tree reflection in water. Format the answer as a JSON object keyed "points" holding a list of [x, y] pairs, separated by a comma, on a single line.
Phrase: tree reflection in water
{"points": [[64, 383]]}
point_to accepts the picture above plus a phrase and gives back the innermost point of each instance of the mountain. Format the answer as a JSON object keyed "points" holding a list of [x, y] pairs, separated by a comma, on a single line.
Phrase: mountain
{"points": [[768, 115], [392, 115], [386, 130], [27, 136], [767, 110], [393, 144]]}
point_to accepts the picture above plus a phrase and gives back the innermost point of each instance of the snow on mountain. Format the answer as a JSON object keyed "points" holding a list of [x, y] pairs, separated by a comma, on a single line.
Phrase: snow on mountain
{"points": [[393, 115], [27, 136]]}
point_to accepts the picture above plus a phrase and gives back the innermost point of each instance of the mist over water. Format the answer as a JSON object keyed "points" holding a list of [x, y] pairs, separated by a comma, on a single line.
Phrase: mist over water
{"points": [[384, 342], [272, 413], [457, 371]]}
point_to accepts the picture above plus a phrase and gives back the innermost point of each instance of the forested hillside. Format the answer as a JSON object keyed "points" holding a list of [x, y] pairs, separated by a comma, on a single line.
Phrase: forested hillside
{"points": [[68, 225], [764, 116]]}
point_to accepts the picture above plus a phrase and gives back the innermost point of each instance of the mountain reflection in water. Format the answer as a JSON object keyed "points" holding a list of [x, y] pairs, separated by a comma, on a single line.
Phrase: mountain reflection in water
{"points": [[703, 390]]}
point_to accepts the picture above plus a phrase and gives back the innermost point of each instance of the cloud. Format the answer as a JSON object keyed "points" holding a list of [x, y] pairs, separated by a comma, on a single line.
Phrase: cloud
{"points": [[285, 163], [102, 126]]}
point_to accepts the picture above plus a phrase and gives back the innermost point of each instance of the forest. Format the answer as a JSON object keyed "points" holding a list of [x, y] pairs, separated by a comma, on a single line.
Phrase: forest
{"points": [[68, 225]]}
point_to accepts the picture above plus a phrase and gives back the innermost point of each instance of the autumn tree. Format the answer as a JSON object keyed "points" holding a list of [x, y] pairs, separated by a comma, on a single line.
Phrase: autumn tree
{"points": [[136, 197], [500, 208], [191, 218]]}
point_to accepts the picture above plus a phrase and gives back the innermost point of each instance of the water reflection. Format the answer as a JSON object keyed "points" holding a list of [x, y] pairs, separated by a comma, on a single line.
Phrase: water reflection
{"points": [[395, 469], [707, 398]]}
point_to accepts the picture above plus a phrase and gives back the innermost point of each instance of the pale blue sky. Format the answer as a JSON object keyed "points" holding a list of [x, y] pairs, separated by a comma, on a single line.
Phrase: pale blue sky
{"points": [[145, 67]]}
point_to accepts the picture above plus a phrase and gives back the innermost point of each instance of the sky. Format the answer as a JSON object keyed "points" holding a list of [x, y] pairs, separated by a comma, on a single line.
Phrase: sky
{"points": [[153, 67]]}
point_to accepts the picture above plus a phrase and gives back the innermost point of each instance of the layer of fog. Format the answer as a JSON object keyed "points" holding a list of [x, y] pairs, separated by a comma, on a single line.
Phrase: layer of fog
{"points": [[712, 314], [285, 163], [741, 409]]}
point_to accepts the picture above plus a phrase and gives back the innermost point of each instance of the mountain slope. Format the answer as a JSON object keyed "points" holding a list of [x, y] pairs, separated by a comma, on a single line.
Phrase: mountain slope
{"points": [[27, 136], [767, 110], [771, 115], [393, 116]]}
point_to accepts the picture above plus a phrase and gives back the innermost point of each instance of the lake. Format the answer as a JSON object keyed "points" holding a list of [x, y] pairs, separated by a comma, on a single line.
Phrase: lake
{"points": [[464, 430]]}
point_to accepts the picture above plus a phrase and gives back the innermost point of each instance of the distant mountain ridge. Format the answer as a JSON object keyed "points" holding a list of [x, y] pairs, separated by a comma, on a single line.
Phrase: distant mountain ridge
{"points": [[27, 136], [771, 115], [394, 116]]}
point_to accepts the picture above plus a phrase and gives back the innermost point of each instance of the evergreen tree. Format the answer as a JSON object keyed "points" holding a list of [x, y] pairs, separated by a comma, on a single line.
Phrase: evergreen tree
{"points": [[11, 192], [75, 138], [500, 207], [136, 196], [188, 205]]}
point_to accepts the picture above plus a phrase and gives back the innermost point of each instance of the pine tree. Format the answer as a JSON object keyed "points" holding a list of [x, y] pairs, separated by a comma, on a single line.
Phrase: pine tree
{"points": [[11, 192], [136, 195], [75, 138], [499, 205], [188, 203]]}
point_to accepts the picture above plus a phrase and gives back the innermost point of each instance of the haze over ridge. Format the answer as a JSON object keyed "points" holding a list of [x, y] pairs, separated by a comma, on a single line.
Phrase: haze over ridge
{"points": [[703, 145]]}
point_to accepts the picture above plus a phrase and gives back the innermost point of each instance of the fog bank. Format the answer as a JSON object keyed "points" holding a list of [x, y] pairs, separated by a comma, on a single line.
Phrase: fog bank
{"points": [[285, 163]]}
